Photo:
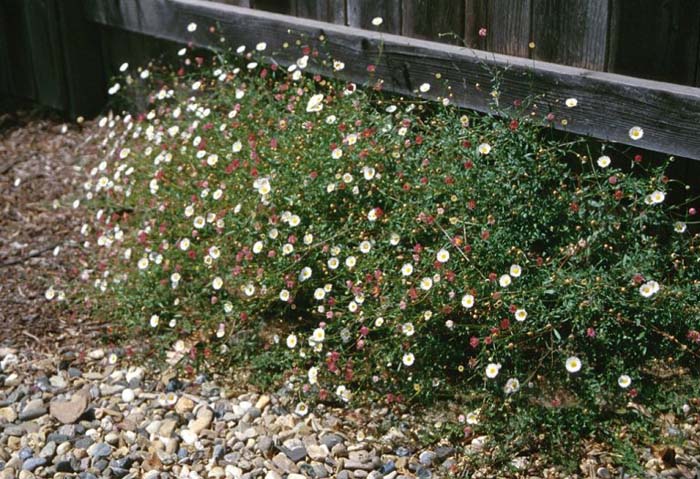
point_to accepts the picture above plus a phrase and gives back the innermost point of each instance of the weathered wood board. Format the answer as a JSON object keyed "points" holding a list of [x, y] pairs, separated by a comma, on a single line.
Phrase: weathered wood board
{"points": [[608, 104]]}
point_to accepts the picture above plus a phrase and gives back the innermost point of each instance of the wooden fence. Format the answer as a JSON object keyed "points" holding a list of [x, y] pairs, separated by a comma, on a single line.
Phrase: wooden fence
{"points": [[654, 39], [62, 52]]}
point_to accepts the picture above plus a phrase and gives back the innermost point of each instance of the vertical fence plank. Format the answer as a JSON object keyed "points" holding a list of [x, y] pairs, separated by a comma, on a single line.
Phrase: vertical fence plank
{"points": [[573, 33], [361, 13], [325, 10], [19, 51], [475, 18], [438, 20], [507, 24], [509, 27], [85, 82], [5, 77], [659, 41], [45, 53]]}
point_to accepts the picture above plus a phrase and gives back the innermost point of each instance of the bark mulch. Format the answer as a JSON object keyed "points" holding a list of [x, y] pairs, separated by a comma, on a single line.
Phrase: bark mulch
{"points": [[42, 167]]}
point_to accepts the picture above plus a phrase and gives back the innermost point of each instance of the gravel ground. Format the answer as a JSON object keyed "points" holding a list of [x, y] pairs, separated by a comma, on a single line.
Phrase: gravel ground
{"points": [[71, 406]]}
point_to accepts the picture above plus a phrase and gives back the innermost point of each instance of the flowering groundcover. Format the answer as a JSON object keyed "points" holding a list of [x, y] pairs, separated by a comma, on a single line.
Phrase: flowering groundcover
{"points": [[372, 247]]}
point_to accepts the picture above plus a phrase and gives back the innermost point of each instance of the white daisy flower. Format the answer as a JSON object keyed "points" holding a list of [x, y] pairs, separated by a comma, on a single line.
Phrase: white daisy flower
{"points": [[468, 301], [657, 197], [407, 269], [376, 21], [315, 103], [217, 283], [318, 335], [426, 284], [636, 133], [408, 329], [313, 375], [408, 359], [515, 270], [305, 274], [492, 370], [292, 341], [484, 148], [573, 364], [520, 315], [443, 256], [604, 161], [504, 281], [624, 381], [365, 247], [571, 102], [284, 295], [512, 386]]}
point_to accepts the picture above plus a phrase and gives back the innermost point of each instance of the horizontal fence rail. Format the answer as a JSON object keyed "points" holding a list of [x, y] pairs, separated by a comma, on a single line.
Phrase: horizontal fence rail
{"points": [[608, 104]]}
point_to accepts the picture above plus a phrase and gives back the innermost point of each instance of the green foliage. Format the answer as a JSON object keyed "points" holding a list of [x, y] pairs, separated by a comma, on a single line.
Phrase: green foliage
{"points": [[382, 248]]}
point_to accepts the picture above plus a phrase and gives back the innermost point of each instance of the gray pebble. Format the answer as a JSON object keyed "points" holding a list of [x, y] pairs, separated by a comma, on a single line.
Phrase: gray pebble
{"points": [[427, 457], [48, 451], [25, 453], [330, 440], [99, 449], [264, 444], [34, 409], [32, 463]]}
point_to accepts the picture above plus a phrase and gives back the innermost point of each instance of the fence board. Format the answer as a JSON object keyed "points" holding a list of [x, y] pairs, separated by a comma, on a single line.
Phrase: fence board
{"points": [[475, 17], [573, 32], [19, 50], [509, 27], [277, 6], [507, 24], [85, 82], [361, 13], [608, 104], [659, 41], [438, 20], [332, 11], [5, 77], [47, 63]]}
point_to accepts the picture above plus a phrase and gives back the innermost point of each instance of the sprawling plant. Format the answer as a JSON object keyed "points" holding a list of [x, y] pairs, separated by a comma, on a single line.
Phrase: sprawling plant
{"points": [[386, 247]]}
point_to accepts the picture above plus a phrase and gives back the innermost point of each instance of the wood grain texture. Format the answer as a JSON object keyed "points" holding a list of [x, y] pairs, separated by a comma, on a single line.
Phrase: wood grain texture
{"points": [[332, 11], [438, 20], [19, 50], [608, 104], [475, 18], [85, 82], [658, 40], [45, 48], [573, 32], [509, 27], [361, 13]]}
